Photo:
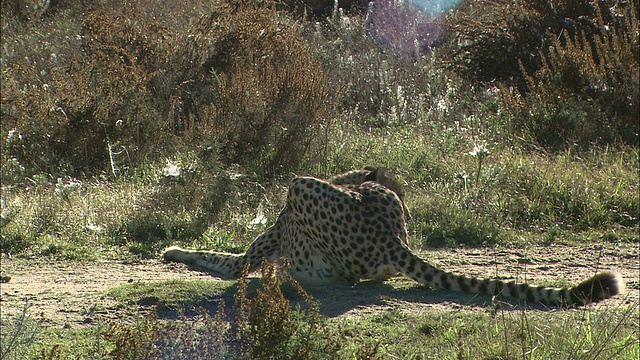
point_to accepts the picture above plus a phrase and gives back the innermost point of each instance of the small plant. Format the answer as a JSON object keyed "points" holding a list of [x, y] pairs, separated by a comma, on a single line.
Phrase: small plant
{"points": [[266, 327], [479, 152], [262, 327], [18, 335]]}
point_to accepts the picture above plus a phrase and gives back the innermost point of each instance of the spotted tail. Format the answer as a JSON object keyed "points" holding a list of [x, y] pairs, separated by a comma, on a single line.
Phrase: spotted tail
{"points": [[599, 287]]}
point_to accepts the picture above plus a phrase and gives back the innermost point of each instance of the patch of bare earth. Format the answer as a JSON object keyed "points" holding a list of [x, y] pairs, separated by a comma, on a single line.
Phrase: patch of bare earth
{"points": [[65, 294], [69, 294]]}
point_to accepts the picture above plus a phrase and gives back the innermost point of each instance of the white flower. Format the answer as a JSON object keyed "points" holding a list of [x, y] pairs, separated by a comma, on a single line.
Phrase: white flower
{"points": [[171, 169], [260, 219], [479, 150], [96, 228]]}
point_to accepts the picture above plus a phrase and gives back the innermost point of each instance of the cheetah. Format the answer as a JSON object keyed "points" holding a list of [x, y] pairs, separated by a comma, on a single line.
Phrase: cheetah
{"points": [[352, 227]]}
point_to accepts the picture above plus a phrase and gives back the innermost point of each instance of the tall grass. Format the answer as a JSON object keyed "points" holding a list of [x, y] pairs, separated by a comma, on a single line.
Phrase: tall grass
{"points": [[454, 200]]}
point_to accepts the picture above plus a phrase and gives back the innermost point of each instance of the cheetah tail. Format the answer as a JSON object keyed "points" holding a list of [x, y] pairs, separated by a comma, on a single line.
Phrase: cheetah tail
{"points": [[599, 287]]}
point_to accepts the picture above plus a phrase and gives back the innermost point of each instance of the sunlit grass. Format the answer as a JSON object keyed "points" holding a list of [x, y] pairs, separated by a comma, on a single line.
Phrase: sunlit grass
{"points": [[505, 334], [173, 294], [566, 196]]}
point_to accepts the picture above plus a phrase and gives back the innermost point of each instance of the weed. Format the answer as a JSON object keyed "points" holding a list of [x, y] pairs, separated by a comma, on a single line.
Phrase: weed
{"points": [[18, 335], [586, 334], [479, 152], [262, 327]]}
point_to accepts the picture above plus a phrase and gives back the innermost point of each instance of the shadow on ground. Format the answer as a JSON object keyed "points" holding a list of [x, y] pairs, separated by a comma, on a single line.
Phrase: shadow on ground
{"points": [[367, 297]]}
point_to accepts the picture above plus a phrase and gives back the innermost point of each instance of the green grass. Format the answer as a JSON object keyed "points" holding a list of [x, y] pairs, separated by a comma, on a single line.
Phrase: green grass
{"points": [[581, 334], [172, 294]]}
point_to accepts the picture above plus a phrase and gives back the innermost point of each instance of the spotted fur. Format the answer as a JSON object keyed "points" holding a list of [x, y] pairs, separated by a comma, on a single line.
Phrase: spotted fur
{"points": [[353, 227]]}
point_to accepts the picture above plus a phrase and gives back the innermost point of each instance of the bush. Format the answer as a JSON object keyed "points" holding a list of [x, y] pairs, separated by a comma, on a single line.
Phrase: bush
{"points": [[587, 89], [489, 38], [75, 92], [131, 83], [270, 91], [262, 327]]}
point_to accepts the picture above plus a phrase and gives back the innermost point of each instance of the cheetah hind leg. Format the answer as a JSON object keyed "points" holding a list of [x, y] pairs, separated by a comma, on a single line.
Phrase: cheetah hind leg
{"points": [[220, 263], [263, 247], [314, 270]]}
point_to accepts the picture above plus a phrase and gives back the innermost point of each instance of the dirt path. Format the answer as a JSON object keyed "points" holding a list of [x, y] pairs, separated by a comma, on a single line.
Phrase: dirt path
{"points": [[68, 294]]}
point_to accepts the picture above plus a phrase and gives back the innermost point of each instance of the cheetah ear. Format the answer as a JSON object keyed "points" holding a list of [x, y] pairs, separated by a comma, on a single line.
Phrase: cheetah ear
{"points": [[375, 174]]}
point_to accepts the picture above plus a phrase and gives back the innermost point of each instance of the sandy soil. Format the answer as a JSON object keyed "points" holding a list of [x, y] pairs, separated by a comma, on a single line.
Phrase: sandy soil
{"points": [[70, 294]]}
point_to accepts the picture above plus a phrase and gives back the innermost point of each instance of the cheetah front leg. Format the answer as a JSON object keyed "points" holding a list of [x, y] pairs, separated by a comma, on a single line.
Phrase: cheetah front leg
{"points": [[220, 263]]}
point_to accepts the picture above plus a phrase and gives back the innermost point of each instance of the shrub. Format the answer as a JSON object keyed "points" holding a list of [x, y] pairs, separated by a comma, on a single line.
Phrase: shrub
{"points": [[130, 83], [75, 92], [587, 89], [262, 327], [488, 38], [269, 90]]}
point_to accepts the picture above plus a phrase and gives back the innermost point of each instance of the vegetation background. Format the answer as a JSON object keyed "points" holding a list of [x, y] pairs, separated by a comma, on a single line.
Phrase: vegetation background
{"points": [[130, 126]]}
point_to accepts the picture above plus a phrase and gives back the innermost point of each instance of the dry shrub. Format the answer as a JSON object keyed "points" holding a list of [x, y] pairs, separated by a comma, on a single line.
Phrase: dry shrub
{"points": [[270, 90], [78, 96], [265, 326], [490, 37], [587, 89], [136, 81]]}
